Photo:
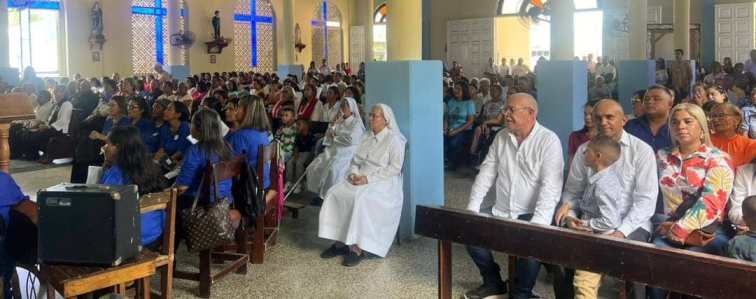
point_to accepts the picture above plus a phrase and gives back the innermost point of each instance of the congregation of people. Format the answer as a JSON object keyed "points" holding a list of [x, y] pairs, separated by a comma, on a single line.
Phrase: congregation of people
{"points": [[683, 162], [155, 131]]}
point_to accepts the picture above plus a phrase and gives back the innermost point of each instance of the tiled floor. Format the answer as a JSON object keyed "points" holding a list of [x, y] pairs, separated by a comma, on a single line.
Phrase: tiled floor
{"points": [[293, 268]]}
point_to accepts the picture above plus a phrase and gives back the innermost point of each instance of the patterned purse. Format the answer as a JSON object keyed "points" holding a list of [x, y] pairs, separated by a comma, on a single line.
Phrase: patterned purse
{"points": [[209, 226]]}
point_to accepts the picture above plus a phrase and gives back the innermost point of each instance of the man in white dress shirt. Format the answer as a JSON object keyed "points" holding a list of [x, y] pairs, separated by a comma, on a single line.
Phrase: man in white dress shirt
{"points": [[525, 162], [638, 176]]}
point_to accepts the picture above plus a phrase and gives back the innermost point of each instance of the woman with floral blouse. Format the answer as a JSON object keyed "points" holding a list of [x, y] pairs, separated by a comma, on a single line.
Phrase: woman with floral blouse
{"points": [[695, 180]]}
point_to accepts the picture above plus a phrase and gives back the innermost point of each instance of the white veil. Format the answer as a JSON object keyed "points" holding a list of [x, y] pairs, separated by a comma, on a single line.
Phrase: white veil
{"points": [[391, 123], [354, 108]]}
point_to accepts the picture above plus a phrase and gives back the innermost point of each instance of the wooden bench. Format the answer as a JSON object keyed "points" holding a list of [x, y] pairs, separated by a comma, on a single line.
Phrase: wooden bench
{"points": [[238, 260], [678, 270], [13, 107], [72, 281]]}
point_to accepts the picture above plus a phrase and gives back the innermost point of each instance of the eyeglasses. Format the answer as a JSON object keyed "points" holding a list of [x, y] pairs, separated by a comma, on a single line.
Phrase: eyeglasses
{"points": [[511, 110], [720, 115]]}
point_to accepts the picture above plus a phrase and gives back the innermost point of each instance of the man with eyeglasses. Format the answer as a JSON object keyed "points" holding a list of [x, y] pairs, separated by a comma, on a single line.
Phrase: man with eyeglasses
{"points": [[652, 126], [525, 162]]}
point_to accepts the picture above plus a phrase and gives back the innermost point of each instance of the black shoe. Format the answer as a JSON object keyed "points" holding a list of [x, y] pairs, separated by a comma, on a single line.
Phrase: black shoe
{"points": [[334, 251], [317, 201], [485, 291], [352, 259]]}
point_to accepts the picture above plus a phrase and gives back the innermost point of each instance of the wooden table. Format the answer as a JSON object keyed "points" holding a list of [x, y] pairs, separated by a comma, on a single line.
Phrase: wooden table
{"points": [[13, 107]]}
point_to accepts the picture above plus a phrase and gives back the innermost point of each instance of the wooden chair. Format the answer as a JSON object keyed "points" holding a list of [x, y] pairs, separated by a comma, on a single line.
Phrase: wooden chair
{"points": [[238, 259], [72, 281], [265, 233]]}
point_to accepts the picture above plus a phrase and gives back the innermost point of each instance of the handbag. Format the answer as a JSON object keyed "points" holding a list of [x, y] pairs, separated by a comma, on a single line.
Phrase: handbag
{"points": [[209, 226]]}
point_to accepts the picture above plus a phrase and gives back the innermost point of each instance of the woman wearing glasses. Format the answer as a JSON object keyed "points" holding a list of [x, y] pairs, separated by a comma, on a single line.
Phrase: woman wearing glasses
{"points": [[726, 121]]}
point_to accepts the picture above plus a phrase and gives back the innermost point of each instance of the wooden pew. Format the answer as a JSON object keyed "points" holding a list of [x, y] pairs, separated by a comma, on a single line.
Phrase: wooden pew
{"points": [[681, 271], [13, 107]]}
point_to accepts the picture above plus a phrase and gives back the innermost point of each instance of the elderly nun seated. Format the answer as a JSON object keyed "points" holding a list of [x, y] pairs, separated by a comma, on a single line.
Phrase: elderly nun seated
{"points": [[362, 212], [341, 140]]}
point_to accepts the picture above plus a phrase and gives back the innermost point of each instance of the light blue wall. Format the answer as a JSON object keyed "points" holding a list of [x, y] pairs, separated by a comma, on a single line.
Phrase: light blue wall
{"points": [[178, 72], [290, 69], [708, 40], [9, 75], [634, 75], [562, 92], [413, 90]]}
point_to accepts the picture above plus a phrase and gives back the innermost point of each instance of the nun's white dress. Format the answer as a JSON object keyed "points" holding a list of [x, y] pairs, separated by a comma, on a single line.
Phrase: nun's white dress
{"points": [[330, 167], [368, 215]]}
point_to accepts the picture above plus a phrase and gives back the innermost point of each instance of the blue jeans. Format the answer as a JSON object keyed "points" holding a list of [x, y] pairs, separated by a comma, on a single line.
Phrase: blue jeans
{"points": [[454, 146], [526, 271], [718, 246]]}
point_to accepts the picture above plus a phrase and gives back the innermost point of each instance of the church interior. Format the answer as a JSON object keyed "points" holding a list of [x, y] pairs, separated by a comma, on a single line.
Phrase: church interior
{"points": [[378, 148]]}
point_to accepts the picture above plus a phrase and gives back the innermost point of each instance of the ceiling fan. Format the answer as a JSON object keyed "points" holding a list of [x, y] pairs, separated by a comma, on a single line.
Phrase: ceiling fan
{"points": [[534, 11]]}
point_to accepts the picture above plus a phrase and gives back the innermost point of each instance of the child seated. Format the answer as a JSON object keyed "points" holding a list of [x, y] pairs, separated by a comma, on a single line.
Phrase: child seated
{"points": [[303, 153], [598, 210], [743, 247]]}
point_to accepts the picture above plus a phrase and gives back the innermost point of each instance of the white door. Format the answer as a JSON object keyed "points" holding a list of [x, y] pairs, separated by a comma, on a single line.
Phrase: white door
{"points": [[356, 46], [734, 31]]}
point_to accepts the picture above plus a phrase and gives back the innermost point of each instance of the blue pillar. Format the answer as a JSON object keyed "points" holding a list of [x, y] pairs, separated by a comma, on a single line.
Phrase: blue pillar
{"points": [[562, 92], [634, 75], [178, 72], [9, 75], [290, 69], [708, 40], [413, 90]]}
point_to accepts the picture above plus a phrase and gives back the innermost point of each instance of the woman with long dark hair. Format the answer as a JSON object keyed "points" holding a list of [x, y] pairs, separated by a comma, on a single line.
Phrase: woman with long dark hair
{"points": [[173, 135], [253, 130], [128, 162], [210, 148], [310, 106], [139, 113]]}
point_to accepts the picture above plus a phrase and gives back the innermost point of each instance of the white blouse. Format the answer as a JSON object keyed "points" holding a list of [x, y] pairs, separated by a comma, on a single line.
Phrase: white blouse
{"points": [[744, 186]]}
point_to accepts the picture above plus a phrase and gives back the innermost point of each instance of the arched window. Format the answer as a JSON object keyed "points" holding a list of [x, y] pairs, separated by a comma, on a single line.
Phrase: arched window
{"points": [[149, 35], [33, 30], [254, 36], [327, 41], [511, 7], [380, 51]]}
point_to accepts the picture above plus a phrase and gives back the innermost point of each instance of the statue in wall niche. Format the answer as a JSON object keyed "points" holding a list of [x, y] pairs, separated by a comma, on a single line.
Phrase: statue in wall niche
{"points": [[216, 45], [96, 38], [216, 26]]}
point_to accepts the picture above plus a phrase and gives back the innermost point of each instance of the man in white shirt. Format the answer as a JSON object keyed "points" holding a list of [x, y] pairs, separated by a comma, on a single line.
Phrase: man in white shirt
{"points": [[503, 68], [324, 69], [637, 168], [525, 162], [490, 70]]}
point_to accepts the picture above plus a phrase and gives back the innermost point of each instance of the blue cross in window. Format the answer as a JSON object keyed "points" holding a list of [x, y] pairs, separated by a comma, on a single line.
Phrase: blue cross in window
{"points": [[158, 12], [253, 19], [324, 23], [52, 5]]}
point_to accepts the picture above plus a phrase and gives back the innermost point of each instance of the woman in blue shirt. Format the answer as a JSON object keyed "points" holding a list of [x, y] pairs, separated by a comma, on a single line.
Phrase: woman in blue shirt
{"points": [[253, 131], [10, 195], [127, 162], [210, 148], [139, 113], [458, 121], [173, 141]]}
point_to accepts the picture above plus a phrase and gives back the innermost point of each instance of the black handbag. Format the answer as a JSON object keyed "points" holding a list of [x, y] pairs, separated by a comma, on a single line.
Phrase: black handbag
{"points": [[209, 226], [249, 196]]}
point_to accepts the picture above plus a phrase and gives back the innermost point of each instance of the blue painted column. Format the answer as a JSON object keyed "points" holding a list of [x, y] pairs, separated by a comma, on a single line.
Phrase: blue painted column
{"points": [[562, 92], [413, 89], [633, 75], [708, 40]]}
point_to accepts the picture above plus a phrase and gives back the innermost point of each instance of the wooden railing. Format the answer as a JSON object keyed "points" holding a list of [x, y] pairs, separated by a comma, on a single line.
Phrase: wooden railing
{"points": [[681, 271]]}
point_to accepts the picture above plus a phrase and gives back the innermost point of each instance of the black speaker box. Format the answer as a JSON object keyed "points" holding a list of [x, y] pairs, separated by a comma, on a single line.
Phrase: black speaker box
{"points": [[88, 224]]}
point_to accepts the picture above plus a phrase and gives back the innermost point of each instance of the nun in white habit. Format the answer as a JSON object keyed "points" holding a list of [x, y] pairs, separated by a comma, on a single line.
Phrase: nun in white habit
{"points": [[362, 212], [341, 140]]}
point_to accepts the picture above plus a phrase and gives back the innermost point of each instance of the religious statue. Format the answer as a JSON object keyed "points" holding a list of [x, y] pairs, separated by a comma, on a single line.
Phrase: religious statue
{"points": [[216, 45], [216, 26], [298, 39], [96, 38]]}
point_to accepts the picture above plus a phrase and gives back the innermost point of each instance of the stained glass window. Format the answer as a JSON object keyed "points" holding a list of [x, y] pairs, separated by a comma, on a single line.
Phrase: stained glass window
{"points": [[327, 41], [254, 36], [149, 34]]}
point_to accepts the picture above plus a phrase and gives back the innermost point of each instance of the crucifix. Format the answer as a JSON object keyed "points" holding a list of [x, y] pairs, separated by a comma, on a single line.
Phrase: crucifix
{"points": [[253, 19]]}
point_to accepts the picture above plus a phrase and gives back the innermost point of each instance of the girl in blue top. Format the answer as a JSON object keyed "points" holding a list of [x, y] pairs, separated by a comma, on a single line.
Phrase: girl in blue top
{"points": [[253, 131], [139, 113], [210, 148], [10, 195], [173, 134], [127, 162]]}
